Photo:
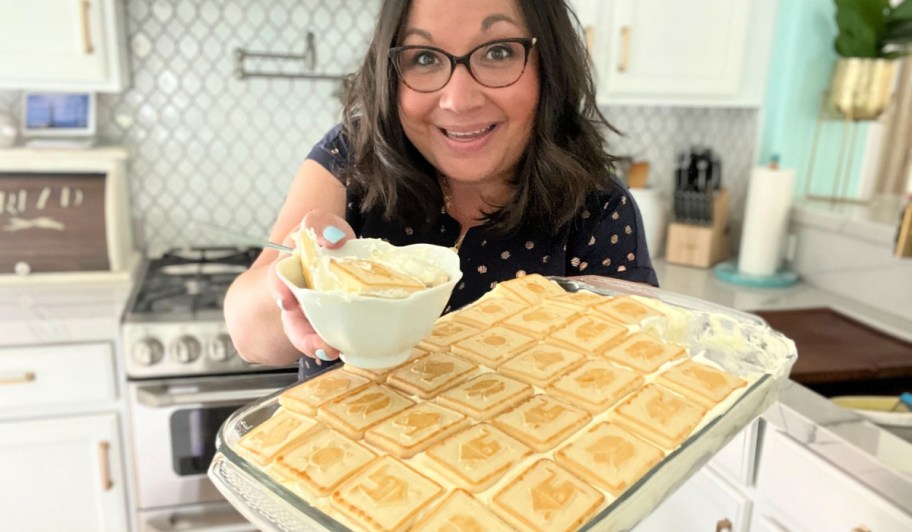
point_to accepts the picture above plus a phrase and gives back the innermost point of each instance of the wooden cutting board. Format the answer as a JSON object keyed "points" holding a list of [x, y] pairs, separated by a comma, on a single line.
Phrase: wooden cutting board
{"points": [[837, 354]]}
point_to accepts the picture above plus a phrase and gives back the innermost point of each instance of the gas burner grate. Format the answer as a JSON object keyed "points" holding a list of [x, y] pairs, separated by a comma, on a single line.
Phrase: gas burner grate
{"points": [[185, 282]]}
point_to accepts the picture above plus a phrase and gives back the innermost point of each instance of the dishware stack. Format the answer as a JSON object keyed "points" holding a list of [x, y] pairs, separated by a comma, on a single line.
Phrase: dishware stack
{"points": [[698, 235]]}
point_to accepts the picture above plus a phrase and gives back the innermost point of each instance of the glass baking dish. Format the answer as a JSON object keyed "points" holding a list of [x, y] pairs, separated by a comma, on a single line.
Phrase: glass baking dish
{"points": [[709, 329]]}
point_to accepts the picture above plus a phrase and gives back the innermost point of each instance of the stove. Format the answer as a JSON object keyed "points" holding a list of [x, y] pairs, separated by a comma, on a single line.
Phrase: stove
{"points": [[184, 378], [174, 324]]}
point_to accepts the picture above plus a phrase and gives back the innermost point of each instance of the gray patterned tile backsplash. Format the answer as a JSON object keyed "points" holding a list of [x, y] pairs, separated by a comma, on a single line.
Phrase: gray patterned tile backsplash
{"points": [[206, 145]]}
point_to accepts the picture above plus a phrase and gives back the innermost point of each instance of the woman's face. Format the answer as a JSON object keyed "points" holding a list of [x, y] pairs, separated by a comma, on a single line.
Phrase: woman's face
{"points": [[469, 132]]}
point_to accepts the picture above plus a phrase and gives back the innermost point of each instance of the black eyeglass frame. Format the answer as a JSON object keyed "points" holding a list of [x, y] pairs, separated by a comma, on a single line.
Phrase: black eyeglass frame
{"points": [[526, 42]]}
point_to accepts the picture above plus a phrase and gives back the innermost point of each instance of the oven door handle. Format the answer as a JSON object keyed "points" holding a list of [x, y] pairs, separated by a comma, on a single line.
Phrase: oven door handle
{"points": [[211, 521], [159, 398]]}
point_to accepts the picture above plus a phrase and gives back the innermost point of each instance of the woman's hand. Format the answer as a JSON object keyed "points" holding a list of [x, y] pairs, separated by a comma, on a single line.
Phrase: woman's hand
{"points": [[332, 232]]}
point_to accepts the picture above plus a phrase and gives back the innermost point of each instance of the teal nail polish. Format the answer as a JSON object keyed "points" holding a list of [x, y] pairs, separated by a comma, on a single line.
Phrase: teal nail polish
{"points": [[333, 234], [321, 354]]}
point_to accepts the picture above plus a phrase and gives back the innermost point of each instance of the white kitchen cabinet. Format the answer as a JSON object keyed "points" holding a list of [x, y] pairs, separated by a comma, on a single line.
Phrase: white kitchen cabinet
{"points": [[799, 491], [62, 474], [705, 502], [688, 52], [63, 45]]}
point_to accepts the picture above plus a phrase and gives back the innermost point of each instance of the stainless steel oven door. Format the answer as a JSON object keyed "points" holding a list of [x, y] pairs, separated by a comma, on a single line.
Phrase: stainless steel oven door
{"points": [[174, 425]]}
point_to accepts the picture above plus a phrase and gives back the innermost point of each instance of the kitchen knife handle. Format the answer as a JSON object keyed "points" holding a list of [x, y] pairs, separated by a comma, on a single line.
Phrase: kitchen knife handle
{"points": [[625, 49], [105, 464], [86, 29]]}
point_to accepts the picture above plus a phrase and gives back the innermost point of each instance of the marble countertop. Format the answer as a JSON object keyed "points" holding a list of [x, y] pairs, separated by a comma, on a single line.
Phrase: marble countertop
{"points": [[59, 312], [872, 455], [703, 284]]}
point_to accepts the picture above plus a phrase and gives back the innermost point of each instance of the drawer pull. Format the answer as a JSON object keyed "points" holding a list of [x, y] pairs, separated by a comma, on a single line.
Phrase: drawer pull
{"points": [[589, 32], [86, 30], [724, 525], [23, 378], [625, 49], [861, 528], [104, 463]]}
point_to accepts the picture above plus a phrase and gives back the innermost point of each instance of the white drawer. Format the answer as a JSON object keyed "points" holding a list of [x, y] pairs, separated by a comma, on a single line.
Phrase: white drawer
{"points": [[809, 493], [55, 375]]}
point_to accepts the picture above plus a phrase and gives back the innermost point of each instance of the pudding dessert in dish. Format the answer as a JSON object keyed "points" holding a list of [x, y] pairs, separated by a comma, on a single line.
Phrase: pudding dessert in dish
{"points": [[531, 409]]}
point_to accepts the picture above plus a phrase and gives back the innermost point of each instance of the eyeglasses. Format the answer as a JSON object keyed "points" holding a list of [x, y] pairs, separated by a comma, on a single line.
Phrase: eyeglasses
{"points": [[494, 64]]}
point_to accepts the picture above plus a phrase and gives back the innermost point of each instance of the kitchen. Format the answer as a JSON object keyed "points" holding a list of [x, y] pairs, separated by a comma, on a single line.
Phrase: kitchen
{"points": [[199, 144]]}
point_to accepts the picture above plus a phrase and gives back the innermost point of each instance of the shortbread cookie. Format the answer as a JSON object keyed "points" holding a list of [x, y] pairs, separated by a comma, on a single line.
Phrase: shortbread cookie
{"points": [[588, 334], [353, 414], [596, 385], [488, 311], [459, 512], [659, 416], [379, 375], [643, 353], [530, 288], [541, 319], [581, 300], [445, 333], [547, 497], [626, 310], [541, 364], [316, 465], [542, 422], [363, 276], [485, 395], [477, 457], [700, 382], [385, 496], [431, 374], [609, 457], [267, 439], [415, 429], [492, 347], [306, 397]]}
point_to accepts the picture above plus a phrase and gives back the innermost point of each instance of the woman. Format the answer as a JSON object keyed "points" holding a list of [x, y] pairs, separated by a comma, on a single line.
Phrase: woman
{"points": [[471, 124]]}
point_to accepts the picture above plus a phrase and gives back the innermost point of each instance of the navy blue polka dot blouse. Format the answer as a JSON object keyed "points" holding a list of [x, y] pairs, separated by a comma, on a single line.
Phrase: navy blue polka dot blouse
{"points": [[605, 238]]}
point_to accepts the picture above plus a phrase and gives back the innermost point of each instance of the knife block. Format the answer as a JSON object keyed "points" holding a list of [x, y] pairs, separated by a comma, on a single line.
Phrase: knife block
{"points": [[700, 245]]}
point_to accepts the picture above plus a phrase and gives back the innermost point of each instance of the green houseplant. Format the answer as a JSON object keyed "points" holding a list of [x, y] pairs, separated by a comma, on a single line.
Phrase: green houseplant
{"points": [[871, 35], [872, 28]]}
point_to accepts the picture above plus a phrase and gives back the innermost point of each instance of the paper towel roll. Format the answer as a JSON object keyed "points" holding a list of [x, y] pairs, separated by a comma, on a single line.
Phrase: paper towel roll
{"points": [[769, 197]]}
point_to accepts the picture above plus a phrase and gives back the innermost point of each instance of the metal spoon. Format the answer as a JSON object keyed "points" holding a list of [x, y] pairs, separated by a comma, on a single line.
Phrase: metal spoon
{"points": [[212, 228]]}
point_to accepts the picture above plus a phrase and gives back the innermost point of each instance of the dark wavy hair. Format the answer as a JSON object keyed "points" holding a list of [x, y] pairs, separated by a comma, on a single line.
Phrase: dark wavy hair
{"points": [[564, 162]]}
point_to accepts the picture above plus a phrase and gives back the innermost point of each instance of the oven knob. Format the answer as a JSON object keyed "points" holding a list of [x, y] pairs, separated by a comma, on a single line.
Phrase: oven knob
{"points": [[185, 349], [220, 348], [147, 351]]}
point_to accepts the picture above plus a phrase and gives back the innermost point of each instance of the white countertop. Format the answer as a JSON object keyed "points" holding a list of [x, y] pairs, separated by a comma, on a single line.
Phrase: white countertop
{"points": [[59, 312], [703, 284]]}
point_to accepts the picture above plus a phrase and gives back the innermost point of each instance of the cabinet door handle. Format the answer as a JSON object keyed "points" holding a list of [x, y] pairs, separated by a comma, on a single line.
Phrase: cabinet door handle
{"points": [[861, 528], [724, 525], [105, 464], [625, 49], [23, 378], [589, 33], [86, 29]]}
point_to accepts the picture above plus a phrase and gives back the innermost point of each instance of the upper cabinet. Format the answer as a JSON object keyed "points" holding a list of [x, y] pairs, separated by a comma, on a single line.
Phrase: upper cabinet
{"points": [[63, 45], [686, 52]]}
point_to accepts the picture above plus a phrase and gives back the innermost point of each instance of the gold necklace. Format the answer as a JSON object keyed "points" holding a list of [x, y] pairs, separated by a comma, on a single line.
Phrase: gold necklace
{"points": [[447, 206]]}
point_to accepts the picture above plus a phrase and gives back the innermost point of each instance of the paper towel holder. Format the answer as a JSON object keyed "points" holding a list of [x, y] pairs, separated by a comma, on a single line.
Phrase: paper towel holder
{"points": [[730, 272]]}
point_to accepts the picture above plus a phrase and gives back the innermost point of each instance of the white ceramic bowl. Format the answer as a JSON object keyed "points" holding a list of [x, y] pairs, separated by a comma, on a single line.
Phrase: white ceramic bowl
{"points": [[373, 332]]}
